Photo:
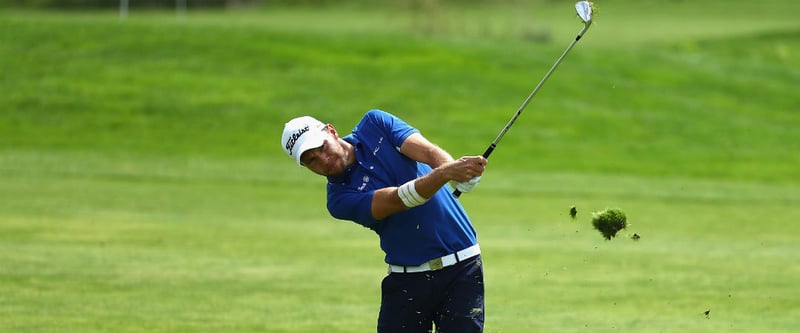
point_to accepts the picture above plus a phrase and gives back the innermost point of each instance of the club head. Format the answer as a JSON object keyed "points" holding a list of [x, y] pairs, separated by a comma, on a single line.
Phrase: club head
{"points": [[584, 9]]}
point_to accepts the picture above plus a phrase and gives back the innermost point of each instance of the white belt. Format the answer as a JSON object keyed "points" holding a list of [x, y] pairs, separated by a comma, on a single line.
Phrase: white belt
{"points": [[439, 263]]}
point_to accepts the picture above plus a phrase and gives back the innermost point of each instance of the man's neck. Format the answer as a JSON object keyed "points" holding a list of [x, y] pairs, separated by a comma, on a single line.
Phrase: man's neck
{"points": [[349, 152]]}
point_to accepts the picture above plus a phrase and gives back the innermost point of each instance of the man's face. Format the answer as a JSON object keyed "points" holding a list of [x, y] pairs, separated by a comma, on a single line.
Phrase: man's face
{"points": [[330, 159]]}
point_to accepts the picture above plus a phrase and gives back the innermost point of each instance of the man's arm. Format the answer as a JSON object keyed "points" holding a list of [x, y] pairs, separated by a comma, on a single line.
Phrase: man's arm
{"points": [[386, 201], [418, 148]]}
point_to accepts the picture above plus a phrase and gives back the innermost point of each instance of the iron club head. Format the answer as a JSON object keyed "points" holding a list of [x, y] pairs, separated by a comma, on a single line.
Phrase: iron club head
{"points": [[584, 9]]}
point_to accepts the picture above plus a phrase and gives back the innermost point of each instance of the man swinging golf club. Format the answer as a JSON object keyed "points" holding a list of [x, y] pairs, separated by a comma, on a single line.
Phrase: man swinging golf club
{"points": [[388, 177]]}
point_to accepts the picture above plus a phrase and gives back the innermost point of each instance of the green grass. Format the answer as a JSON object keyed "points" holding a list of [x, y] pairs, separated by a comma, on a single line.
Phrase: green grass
{"points": [[142, 188]]}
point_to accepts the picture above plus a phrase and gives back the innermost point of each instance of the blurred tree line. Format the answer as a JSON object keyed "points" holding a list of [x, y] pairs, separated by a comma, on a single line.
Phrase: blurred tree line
{"points": [[96, 4]]}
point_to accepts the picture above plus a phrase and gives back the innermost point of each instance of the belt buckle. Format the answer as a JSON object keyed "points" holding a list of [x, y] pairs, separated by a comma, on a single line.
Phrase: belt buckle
{"points": [[436, 264]]}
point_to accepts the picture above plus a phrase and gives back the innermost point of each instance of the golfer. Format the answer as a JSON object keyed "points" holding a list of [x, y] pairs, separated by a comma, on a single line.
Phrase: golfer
{"points": [[389, 178]]}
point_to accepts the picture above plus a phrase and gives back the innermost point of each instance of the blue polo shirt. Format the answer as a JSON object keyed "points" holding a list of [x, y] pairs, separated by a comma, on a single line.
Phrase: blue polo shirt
{"points": [[411, 237]]}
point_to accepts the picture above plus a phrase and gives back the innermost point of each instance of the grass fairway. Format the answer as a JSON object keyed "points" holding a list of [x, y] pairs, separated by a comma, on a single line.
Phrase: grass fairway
{"points": [[142, 188]]}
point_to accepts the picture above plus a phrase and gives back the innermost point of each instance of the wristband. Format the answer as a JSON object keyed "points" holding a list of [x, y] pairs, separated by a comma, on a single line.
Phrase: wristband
{"points": [[408, 194]]}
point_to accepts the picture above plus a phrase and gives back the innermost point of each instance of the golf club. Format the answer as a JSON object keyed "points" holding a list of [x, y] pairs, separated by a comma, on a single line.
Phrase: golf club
{"points": [[584, 9]]}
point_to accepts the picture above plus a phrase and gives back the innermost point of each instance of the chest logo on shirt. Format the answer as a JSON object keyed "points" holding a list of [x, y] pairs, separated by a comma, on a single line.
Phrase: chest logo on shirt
{"points": [[364, 180], [377, 147]]}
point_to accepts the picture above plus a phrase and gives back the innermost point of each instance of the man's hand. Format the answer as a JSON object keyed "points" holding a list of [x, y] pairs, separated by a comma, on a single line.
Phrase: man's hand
{"points": [[467, 186], [466, 168]]}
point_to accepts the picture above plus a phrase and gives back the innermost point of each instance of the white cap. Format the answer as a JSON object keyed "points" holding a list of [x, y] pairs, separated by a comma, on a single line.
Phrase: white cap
{"points": [[301, 134]]}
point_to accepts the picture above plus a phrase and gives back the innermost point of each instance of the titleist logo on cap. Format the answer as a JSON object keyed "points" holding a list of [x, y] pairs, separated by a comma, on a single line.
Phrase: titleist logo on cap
{"points": [[293, 139]]}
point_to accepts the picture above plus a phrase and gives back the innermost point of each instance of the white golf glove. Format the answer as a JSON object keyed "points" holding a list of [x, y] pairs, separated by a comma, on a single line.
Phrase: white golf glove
{"points": [[467, 186]]}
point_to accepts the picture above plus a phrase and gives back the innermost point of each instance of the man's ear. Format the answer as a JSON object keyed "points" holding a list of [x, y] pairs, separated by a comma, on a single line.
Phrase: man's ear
{"points": [[332, 130]]}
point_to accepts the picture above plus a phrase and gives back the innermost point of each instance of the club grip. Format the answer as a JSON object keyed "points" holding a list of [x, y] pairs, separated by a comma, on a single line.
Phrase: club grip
{"points": [[486, 154], [489, 150]]}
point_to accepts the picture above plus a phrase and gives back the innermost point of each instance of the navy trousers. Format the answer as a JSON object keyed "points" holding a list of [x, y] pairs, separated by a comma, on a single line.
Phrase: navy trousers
{"points": [[451, 298]]}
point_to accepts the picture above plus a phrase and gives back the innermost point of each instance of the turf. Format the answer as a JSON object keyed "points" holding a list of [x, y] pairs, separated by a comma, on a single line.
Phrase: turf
{"points": [[142, 188]]}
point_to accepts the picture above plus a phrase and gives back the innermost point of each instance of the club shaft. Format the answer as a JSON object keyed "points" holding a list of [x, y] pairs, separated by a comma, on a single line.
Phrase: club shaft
{"points": [[513, 119], [533, 93]]}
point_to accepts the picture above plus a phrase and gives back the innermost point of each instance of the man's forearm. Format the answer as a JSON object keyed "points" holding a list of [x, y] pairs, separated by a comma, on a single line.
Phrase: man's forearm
{"points": [[418, 148], [429, 184]]}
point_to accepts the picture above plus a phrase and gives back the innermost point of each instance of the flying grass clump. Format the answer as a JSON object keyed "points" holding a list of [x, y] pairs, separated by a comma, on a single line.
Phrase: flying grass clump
{"points": [[593, 7], [609, 222]]}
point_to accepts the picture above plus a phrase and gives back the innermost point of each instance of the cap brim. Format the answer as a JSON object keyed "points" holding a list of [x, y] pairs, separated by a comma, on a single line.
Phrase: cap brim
{"points": [[312, 139]]}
